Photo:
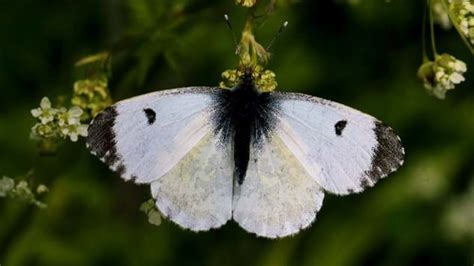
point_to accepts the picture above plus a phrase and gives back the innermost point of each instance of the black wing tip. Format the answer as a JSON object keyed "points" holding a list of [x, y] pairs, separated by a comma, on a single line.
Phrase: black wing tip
{"points": [[388, 155], [101, 137]]}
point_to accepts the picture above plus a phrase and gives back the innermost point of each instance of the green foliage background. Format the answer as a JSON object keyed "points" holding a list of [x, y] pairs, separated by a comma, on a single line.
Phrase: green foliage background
{"points": [[364, 55]]}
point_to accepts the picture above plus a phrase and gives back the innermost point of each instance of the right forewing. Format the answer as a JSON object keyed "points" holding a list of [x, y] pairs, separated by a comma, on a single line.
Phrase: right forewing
{"points": [[344, 149]]}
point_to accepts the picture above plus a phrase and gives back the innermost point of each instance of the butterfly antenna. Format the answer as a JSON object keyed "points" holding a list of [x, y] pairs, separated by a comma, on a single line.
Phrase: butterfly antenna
{"points": [[229, 25], [280, 30]]}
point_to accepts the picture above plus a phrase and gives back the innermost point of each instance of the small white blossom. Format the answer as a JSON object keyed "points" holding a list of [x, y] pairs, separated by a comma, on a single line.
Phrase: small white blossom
{"points": [[74, 115], [20, 190], [246, 3], [60, 122], [449, 71], [442, 75], [464, 16], [6, 185], [44, 113], [42, 189], [43, 131], [74, 131], [62, 116], [69, 117], [459, 66]]}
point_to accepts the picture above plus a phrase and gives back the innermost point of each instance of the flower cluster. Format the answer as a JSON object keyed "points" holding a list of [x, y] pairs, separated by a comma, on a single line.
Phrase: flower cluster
{"points": [[264, 79], [154, 216], [92, 95], [21, 190], [442, 74], [246, 3], [463, 11], [57, 122]]}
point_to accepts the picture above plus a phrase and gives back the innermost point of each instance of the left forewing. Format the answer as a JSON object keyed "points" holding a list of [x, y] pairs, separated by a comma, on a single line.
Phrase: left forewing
{"points": [[142, 138]]}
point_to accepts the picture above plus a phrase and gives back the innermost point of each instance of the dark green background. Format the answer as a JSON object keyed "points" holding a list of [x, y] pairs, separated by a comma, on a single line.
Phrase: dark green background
{"points": [[363, 55]]}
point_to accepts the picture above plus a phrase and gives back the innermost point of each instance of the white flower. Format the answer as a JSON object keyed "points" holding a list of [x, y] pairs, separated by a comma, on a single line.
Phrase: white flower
{"points": [[69, 117], [70, 123], [44, 113], [20, 190], [56, 123], [74, 115], [464, 16], [74, 131], [43, 130], [456, 78], [442, 75], [61, 116], [42, 189], [460, 66], [246, 3], [6, 185]]}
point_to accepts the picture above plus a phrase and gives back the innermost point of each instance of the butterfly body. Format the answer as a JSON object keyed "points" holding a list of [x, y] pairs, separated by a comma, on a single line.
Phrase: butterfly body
{"points": [[264, 159], [244, 115]]}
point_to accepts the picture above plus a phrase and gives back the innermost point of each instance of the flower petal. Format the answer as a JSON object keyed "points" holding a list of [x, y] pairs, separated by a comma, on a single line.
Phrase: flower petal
{"points": [[75, 111], [73, 137], [36, 112], [456, 78], [45, 103], [460, 66], [82, 130]]}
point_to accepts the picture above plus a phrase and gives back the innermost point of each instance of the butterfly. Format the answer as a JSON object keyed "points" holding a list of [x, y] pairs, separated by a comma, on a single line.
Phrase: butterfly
{"points": [[263, 159]]}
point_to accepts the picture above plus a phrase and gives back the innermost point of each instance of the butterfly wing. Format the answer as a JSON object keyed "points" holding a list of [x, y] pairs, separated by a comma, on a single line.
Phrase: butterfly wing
{"points": [[316, 145], [197, 193], [343, 149], [278, 197], [142, 138], [166, 138]]}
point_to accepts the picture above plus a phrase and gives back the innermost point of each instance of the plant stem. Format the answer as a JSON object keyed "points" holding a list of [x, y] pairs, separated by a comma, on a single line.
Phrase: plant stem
{"points": [[433, 41], [423, 35]]}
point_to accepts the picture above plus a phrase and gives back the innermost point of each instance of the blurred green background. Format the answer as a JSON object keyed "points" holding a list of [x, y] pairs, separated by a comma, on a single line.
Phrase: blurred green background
{"points": [[364, 55]]}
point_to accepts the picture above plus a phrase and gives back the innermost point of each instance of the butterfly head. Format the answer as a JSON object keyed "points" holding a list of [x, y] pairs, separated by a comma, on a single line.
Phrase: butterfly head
{"points": [[247, 78]]}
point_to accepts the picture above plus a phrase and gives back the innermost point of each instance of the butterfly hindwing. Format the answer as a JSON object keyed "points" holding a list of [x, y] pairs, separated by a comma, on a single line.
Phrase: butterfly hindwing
{"points": [[343, 149], [197, 192], [142, 138], [278, 197]]}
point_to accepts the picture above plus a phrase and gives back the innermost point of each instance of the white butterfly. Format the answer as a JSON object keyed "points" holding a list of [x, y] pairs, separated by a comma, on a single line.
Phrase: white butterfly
{"points": [[262, 159]]}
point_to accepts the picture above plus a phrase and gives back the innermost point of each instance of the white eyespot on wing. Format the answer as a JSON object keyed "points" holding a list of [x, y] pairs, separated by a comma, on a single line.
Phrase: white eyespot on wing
{"points": [[278, 197], [344, 149], [142, 138], [197, 192]]}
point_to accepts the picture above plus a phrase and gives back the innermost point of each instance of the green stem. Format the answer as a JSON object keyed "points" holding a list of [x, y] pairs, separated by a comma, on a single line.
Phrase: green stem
{"points": [[456, 25], [423, 35], [433, 41]]}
